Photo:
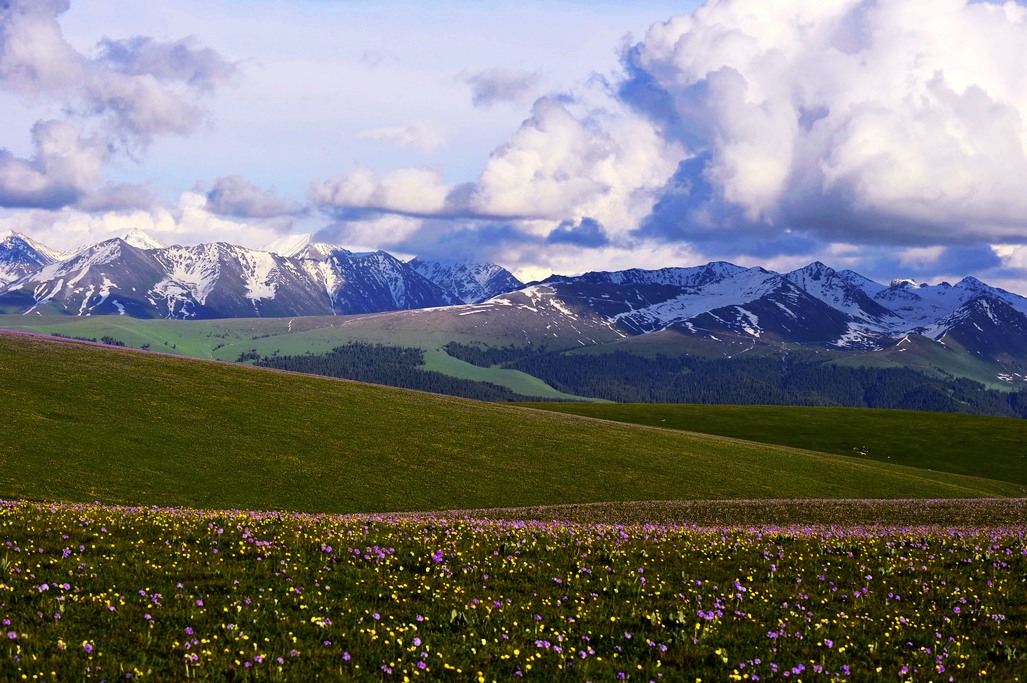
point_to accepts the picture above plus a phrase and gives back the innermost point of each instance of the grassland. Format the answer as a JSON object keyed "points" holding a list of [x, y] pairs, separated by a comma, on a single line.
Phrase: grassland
{"points": [[84, 423], [991, 447]]}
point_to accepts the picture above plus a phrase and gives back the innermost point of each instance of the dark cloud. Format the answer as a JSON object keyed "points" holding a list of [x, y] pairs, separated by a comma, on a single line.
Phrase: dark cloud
{"points": [[183, 61], [441, 239], [884, 264], [501, 85], [585, 233], [466, 241], [235, 196]]}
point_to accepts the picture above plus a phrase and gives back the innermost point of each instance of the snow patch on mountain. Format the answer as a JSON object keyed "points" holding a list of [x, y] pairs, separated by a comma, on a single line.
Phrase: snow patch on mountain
{"points": [[469, 282], [259, 271], [192, 273]]}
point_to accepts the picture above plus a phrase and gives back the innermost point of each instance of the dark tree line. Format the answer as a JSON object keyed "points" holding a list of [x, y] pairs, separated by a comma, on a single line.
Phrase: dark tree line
{"points": [[630, 378], [626, 377], [389, 365], [488, 356]]}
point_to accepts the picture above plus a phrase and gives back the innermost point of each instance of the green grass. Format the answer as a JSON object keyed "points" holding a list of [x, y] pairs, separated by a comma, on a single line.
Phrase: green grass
{"points": [[989, 447], [84, 423]]}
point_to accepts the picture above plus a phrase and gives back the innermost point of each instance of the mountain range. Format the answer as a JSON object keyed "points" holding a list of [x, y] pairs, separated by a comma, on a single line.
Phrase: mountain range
{"points": [[138, 276], [814, 306]]}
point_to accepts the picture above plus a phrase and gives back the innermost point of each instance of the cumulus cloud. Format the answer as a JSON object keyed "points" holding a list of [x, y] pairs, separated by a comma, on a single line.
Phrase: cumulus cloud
{"points": [[236, 196], [559, 165], [501, 85], [132, 91], [66, 164], [411, 191], [34, 57], [419, 136], [854, 120]]}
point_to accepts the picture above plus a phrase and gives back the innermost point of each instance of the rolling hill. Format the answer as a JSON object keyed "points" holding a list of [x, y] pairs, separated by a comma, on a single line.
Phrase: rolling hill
{"points": [[86, 422], [991, 447]]}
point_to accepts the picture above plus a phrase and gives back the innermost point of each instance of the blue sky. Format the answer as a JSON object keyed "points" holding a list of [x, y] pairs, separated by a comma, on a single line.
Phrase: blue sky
{"points": [[546, 136]]}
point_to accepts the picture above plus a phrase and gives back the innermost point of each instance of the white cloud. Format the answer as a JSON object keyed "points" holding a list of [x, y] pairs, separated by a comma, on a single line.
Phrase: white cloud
{"points": [[418, 191], [910, 111], [600, 161]]}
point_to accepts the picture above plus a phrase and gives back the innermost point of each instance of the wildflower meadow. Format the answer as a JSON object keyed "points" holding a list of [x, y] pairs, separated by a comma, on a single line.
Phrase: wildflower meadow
{"points": [[90, 592]]}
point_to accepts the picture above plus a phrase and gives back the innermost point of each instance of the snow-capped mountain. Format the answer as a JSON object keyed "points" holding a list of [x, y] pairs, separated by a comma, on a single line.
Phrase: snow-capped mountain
{"points": [[471, 282], [21, 256], [811, 305], [136, 275]]}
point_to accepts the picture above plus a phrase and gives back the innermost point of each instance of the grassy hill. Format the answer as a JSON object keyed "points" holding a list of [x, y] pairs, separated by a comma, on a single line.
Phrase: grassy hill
{"points": [[227, 338], [84, 422], [991, 447]]}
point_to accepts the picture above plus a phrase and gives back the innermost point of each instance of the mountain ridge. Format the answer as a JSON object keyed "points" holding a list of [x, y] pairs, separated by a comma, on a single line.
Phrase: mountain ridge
{"points": [[139, 276]]}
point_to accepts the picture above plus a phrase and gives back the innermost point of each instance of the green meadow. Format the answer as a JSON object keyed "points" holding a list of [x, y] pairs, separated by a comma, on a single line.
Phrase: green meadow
{"points": [[990, 447], [85, 422]]}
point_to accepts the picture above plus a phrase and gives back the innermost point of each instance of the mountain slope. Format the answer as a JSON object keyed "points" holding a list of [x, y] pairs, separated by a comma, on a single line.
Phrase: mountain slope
{"points": [[213, 435]]}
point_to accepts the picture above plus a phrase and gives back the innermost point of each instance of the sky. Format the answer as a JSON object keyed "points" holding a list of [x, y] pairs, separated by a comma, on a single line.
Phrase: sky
{"points": [[885, 136]]}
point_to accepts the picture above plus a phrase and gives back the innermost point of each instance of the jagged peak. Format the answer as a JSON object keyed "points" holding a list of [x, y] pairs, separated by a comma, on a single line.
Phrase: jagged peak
{"points": [[815, 267], [41, 249], [817, 270], [906, 283], [970, 282]]}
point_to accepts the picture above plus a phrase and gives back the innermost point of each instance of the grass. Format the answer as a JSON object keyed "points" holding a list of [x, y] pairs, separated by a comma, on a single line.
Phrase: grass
{"points": [[85, 422], [990, 447], [89, 592]]}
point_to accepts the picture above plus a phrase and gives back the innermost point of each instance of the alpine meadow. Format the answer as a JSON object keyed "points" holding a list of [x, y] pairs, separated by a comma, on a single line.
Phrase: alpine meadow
{"points": [[545, 341]]}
